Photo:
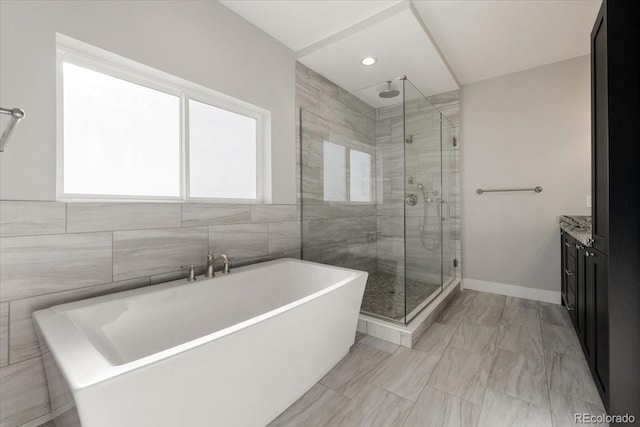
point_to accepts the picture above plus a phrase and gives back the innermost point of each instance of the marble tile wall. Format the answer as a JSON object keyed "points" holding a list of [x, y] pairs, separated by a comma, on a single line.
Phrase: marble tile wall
{"points": [[52, 253], [335, 232], [343, 233]]}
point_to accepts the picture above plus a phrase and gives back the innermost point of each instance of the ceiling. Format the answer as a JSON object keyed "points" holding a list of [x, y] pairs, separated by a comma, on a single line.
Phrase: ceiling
{"points": [[300, 23], [436, 44], [408, 52], [485, 39]]}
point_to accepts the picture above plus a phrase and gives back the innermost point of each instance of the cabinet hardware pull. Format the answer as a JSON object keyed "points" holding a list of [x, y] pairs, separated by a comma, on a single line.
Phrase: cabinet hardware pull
{"points": [[569, 272], [569, 308], [567, 244]]}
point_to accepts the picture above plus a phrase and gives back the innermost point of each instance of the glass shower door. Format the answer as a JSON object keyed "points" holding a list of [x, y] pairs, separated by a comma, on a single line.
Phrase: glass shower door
{"points": [[450, 201], [423, 201]]}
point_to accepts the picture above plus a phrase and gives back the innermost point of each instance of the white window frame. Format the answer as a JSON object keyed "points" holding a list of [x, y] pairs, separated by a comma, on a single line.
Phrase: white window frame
{"points": [[81, 54]]}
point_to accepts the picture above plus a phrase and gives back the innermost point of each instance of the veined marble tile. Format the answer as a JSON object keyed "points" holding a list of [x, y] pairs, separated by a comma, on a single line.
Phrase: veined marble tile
{"points": [[23, 395], [215, 214], [462, 373], [148, 252], [378, 343], [406, 372], [519, 331], [284, 236], [22, 218], [484, 315], [313, 126], [86, 217], [35, 265], [490, 299], [437, 408], [521, 302], [4, 333], [240, 241], [570, 376], [564, 408], [436, 339], [273, 213], [554, 314], [475, 338], [453, 314], [561, 339], [284, 230], [347, 376], [465, 297], [324, 85], [521, 376], [501, 410], [373, 406], [23, 343], [314, 408], [306, 95]]}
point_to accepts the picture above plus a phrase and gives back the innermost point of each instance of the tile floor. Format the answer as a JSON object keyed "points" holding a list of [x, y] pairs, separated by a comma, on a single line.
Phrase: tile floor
{"points": [[489, 360]]}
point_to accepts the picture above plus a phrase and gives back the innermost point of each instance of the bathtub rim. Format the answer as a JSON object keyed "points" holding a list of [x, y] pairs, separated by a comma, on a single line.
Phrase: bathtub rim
{"points": [[83, 365]]}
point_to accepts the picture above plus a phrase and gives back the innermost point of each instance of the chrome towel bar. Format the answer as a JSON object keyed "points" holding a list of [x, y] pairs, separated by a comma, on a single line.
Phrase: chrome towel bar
{"points": [[537, 189]]}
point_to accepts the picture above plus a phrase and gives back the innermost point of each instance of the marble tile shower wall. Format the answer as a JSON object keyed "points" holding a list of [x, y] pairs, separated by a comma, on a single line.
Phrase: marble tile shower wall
{"points": [[422, 157], [334, 232], [51, 253], [345, 234]]}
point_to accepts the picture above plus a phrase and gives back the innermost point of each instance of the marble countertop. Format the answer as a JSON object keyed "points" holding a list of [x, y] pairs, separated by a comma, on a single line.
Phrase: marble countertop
{"points": [[578, 227]]}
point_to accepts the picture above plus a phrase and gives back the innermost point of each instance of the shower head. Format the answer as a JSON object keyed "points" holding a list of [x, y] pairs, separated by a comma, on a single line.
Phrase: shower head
{"points": [[388, 92], [424, 191]]}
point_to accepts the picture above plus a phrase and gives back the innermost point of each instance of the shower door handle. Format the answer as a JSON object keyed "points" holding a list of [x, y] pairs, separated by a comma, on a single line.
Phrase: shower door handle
{"points": [[442, 217]]}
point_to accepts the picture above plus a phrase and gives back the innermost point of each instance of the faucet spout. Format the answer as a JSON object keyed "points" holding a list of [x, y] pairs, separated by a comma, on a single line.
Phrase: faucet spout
{"points": [[226, 262]]}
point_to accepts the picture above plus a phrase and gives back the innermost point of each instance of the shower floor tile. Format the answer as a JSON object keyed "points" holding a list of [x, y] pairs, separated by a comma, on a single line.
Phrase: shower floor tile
{"points": [[385, 295], [537, 382]]}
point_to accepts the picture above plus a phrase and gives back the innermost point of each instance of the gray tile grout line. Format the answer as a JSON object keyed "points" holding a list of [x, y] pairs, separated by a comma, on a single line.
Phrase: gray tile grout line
{"points": [[544, 363], [493, 361], [8, 333]]}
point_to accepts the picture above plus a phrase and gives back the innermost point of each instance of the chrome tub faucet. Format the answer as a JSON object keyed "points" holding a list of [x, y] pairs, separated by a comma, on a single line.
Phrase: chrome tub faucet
{"points": [[226, 268], [210, 273]]}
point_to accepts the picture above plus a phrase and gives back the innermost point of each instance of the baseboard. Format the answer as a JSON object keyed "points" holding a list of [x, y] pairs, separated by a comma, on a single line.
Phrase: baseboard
{"points": [[512, 290]]}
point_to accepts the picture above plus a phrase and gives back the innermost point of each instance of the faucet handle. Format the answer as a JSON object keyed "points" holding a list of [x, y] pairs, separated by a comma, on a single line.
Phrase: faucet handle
{"points": [[209, 273], [192, 272]]}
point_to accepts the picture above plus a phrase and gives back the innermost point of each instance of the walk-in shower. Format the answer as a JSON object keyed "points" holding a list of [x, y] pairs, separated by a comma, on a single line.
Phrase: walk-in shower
{"points": [[375, 194]]}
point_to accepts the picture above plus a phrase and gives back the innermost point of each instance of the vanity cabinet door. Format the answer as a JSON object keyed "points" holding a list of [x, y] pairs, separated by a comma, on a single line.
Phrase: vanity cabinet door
{"points": [[581, 294], [597, 319], [570, 276]]}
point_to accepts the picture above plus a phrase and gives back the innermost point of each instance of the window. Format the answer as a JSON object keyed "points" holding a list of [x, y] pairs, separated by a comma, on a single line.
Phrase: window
{"points": [[360, 176], [127, 131], [336, 174]]}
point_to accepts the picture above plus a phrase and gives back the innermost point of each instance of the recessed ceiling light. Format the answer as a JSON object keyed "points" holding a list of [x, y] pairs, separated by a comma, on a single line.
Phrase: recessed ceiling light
{"points": [[368, 61]]}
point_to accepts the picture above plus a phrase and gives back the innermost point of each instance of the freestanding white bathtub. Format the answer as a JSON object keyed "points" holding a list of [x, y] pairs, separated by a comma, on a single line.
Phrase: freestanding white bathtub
{"points": [[234, 350]]}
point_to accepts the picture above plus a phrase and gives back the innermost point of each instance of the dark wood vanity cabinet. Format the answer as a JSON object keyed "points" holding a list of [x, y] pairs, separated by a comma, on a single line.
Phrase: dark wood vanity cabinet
{"points": [[610, 320], [585, 293]]}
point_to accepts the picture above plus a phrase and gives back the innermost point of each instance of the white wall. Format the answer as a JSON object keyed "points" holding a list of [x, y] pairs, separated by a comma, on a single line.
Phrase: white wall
{"points": [[521, 130], [201, 41]]}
